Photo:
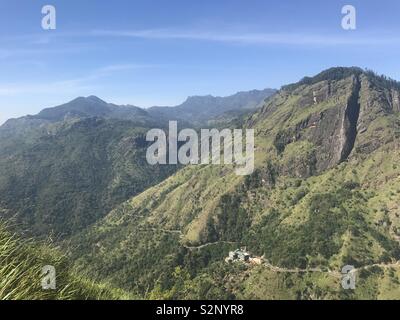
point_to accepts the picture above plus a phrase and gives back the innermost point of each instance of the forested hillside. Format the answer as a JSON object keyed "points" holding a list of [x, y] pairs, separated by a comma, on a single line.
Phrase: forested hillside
{"points": [[324, 195]]}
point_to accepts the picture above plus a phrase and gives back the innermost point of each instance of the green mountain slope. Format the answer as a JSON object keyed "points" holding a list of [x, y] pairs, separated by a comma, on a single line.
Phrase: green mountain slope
{"points": [[324, 194], [68, 177]]}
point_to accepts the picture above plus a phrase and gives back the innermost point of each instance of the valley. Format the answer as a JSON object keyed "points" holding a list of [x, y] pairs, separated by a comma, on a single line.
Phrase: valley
{"points": [[324, 194]]}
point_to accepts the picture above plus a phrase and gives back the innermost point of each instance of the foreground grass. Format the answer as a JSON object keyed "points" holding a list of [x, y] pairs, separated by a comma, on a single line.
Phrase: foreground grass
{"points": [[21, 263]]}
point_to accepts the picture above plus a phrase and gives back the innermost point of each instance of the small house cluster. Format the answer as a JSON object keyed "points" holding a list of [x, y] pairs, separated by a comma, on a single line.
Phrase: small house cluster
{"points": [[241, 255]]}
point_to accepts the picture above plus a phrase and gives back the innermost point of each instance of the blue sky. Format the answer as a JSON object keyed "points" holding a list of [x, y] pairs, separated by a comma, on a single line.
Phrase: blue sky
{"points": [[159, 52]]}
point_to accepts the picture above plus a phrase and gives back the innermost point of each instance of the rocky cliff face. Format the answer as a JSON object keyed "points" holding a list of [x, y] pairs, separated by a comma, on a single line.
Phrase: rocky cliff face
{"points": [[339, 118]]}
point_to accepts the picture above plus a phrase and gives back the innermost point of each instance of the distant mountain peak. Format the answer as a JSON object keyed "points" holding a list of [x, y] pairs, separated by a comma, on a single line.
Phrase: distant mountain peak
{"points": [[95, 99], [88, 99]]}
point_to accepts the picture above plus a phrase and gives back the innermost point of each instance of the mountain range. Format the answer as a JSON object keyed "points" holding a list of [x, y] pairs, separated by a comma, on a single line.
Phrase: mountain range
{"points": [[195, 110], [67, 166], [324, 193]]}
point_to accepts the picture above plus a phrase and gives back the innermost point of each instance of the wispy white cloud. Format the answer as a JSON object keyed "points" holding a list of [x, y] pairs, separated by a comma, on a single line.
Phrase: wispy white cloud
{"points": [[227, 35], [24, 52], [123, 67], [295, 39], [64, 86], [68, 85]]}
